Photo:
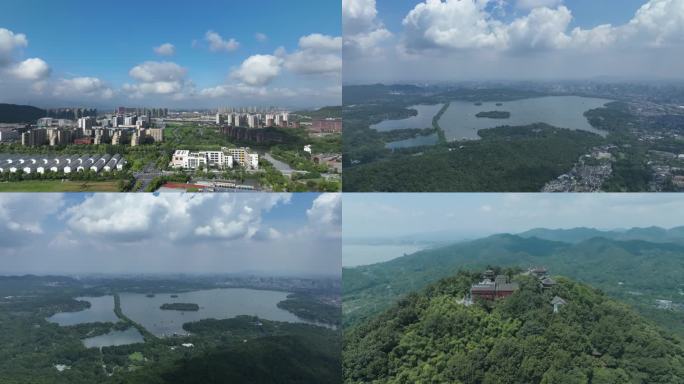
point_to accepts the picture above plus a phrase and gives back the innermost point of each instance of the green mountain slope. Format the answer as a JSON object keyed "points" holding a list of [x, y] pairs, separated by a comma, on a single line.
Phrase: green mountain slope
{"points": [[431, 337], [634, 271], [11, 113]]}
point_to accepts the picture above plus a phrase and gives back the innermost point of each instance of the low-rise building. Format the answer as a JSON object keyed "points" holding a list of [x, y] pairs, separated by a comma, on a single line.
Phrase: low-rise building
{"points": [[493, 287], [244, 157], [193, 160], [42, 164]]}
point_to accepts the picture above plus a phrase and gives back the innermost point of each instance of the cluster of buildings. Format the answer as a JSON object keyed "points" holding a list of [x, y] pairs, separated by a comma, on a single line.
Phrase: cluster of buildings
{"points": [[588, 174], [225, 158], [115, 129], [326, 126], [30, 164], [494, 287], [253, 120]]}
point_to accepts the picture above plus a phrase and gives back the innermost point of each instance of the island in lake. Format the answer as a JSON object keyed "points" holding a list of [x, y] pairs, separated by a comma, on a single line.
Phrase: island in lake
{"points": [[180, 307], [494, 115]]}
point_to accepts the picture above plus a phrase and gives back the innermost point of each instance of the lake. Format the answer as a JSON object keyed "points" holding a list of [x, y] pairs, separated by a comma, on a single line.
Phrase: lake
{"points": [[213, 303], [355, 255], [422, 120], [114, 338], [459, 121], [101, 310]]}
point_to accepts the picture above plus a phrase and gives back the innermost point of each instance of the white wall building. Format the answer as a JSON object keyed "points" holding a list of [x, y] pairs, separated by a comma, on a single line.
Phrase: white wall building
{"points": [[253, 121], [193, 160]]}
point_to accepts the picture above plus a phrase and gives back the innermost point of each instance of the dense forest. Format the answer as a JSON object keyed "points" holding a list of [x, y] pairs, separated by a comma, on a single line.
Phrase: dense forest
{"points": [[634, 270], [310, 308], [244, 349], [506, 159], [432, 337]]}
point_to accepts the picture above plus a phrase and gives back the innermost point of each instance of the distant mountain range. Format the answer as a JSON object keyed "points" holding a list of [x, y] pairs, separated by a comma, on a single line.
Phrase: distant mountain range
{"points": [[12, 113], [576, 235], [643, 263]]}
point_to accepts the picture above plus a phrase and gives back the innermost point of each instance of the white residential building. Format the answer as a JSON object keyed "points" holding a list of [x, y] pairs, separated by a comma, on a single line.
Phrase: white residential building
{"points": [[243, 157], [253, 121], [193, 160]]}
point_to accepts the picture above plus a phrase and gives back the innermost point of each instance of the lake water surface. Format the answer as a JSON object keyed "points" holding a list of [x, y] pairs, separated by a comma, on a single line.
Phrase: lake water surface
{"points": [[459, 121], [114, 338], [422, 120], [213, 303], [101, 310]]}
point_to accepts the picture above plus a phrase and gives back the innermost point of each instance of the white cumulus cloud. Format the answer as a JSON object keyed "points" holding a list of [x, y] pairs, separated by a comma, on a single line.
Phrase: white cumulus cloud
{"points": [[154, 77], [317, 54], [467, 24], [23, 216], [173, 217], [258, 70], [9, 42], [325, 215], [34, 69], [363, 33], [218, 44], [83, 86], [166, 49]]}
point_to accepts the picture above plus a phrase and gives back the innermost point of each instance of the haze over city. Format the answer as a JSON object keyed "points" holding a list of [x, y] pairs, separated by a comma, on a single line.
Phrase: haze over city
{"points": [[77, 52], [474, 40], [275, 234]]}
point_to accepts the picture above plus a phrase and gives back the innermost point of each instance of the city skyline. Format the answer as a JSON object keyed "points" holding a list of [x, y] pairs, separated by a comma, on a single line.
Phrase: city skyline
{"points": [[497, 40], [277, 234], [149, 56]]}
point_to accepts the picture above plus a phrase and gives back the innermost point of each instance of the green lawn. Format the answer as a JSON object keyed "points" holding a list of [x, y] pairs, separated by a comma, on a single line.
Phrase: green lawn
{"points": [[59, 186]]}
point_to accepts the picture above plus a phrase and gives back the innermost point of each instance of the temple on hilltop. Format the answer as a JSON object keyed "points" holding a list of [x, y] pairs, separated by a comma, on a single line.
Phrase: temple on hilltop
{"points": [[542, 274], [492, 287]]}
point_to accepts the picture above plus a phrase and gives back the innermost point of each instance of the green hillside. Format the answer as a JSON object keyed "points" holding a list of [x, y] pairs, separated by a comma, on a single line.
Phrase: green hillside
{"points": [[637, 272], [11, 113], [431, 337]]}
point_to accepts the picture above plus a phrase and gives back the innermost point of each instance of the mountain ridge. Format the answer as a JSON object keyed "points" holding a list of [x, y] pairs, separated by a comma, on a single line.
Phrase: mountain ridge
{"points": [[635, 271]]}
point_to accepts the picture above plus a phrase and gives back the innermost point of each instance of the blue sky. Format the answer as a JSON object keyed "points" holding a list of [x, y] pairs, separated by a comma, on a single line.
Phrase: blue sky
{"points": [[106, 39], [457, 40], [278, 234]]}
